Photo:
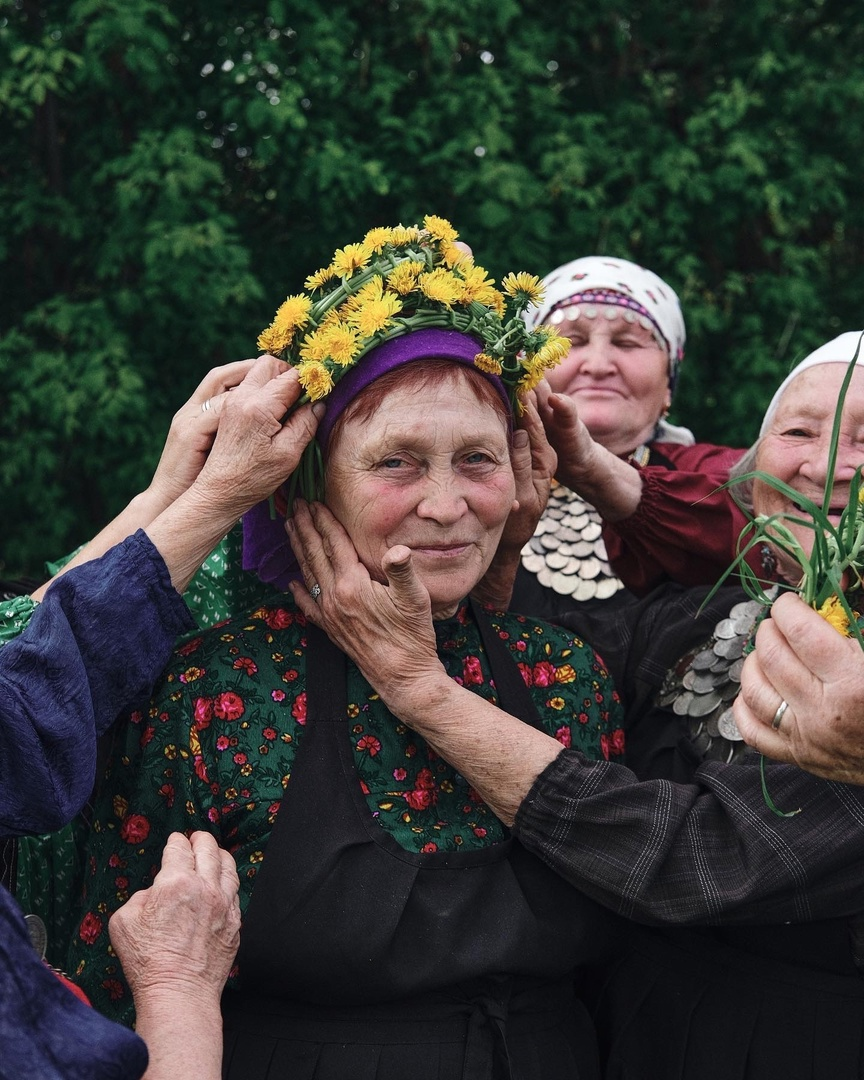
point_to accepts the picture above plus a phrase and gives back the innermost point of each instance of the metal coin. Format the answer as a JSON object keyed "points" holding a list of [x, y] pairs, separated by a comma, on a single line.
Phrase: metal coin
{"points": [[702, 704], [561, 583], [591, 531], [727, 726], [590, 568], [556, 560], [703, 660], [585, 590], [730, 648], [697, 682], [724, 629], [607, 587], [681, 704], [735, 669], [38, 934], [534, 563]]}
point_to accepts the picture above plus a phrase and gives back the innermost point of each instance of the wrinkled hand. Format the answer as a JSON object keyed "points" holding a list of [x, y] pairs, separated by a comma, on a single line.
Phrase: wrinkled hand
{"points": [[799, 658], [534, 463], [181, 934], [192, 431], [385, 628], [567, 435], [253, 451]]}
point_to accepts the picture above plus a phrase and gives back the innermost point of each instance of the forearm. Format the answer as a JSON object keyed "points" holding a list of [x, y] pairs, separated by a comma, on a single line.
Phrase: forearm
{"points": [[500, 756], [183, 1036], [187, 531], [137, 515], [93, 646], [608, 482], [708, 852]]}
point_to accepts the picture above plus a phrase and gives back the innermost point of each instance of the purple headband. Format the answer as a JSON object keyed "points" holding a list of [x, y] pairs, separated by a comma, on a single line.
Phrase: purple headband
{"points": [[266, 550], [430, 344]]}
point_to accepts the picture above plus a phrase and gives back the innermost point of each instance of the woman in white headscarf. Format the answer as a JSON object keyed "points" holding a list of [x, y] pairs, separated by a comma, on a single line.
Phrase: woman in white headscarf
{"points": [[633, 490]]}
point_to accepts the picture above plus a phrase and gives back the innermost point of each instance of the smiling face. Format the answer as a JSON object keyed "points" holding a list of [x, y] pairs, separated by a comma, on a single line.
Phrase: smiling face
{"points": [[795, 447], [430, 469], [618, 376]]}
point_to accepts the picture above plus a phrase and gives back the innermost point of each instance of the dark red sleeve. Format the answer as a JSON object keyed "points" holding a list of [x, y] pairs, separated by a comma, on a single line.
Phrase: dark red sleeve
{"points": [[684, 529]]}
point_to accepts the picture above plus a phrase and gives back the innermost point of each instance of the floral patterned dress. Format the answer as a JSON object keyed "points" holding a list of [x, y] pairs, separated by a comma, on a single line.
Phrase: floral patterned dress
{"points": [[216, 748]]}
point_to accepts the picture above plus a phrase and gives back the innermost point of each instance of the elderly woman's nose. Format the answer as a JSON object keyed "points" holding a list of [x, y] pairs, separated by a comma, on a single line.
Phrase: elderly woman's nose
{"points": [[442, 502], [594, 355], [849, 457]]}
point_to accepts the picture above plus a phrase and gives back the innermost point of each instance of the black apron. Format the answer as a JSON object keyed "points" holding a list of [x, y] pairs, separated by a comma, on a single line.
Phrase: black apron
{"points": [[362, 960]]}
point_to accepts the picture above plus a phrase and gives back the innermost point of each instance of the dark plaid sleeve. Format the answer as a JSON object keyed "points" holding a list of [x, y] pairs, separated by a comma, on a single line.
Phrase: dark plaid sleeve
{"points": [[707, 852]]}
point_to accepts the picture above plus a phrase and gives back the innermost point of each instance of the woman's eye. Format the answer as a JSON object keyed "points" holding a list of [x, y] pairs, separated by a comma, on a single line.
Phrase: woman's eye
{"points": [[797, 433], [392, 463]]}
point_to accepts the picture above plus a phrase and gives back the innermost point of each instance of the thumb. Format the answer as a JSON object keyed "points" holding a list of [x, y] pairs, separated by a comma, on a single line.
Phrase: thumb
{"points": [[521, 460], [407, 590]]}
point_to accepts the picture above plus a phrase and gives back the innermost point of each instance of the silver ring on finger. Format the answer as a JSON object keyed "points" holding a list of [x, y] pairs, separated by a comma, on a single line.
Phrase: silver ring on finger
{"points": [[778, 716], [207, 405], [315, 592]]}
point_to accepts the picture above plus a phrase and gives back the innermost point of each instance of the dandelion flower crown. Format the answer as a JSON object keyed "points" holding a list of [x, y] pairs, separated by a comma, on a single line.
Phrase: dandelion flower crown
{"points": [[398, 280]]}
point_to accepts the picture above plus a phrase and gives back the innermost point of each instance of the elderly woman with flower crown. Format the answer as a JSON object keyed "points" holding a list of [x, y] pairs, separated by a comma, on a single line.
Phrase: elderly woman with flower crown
{"points": [[390, 924], [363, 745]]}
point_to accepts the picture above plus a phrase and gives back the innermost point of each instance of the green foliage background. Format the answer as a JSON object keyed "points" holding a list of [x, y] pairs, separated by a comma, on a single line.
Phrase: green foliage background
{"points": [[172, 169]]}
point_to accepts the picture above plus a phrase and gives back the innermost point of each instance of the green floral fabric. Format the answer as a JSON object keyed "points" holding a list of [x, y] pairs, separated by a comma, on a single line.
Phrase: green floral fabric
{"points": [[215, 750]]}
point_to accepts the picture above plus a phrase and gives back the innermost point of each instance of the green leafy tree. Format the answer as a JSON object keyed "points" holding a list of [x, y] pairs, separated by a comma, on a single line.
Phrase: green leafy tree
{"points": [[172, 170]]}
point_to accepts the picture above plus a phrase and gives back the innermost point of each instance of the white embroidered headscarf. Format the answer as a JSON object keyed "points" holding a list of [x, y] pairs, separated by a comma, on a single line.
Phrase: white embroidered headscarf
{"points": [[839, 351], [597, 273]]}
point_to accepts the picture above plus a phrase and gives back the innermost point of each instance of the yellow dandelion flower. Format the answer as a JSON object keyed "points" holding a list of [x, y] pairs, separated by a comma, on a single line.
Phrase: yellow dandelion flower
{"points": [[832, 612], [488, 363], [439, 228], [293, 312], [400, 235], [375, 315], [350, 258], [377, 238], [274, 339], [314, 346], [319, 278], [552, 351], [452, 255], [341, 343], [403, 279], [475, 284], [533, 375], [526, 285], [441, 285], [372, 290], [315, 379]]}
